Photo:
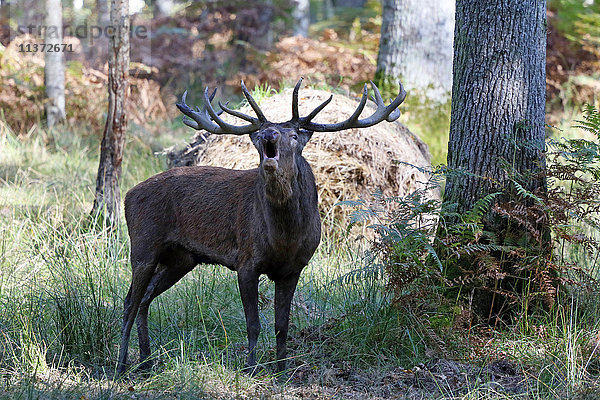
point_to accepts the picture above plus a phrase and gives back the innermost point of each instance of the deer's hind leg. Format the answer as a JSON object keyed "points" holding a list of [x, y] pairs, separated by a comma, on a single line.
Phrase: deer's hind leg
{"points": [[143, 267], [171, 269], [284, 293]]}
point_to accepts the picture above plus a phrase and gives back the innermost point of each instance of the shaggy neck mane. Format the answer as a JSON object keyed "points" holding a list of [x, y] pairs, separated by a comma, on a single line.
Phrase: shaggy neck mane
{"points": [[279, 186]]}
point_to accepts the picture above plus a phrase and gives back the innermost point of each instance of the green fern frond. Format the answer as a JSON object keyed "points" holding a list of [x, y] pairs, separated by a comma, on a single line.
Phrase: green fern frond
{"points": [[480, 207], [368, 272], [526, 194], [591, 120]]}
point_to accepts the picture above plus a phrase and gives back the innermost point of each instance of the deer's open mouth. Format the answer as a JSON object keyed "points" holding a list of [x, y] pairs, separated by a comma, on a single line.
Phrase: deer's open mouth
{"points": [[270, 150], [271, 156]]}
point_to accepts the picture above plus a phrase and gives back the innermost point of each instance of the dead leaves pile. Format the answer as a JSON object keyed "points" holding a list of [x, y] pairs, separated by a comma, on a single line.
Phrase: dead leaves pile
{"points": [[22, 93]]}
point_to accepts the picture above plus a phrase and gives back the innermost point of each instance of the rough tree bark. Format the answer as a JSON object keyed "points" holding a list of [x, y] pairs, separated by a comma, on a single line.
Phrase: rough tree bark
{"points": [[416, 45], [497, 130], [108, 197], [498, 97], [54, 69]]}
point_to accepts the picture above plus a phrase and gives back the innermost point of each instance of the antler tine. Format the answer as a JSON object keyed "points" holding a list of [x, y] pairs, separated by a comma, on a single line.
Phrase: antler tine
{"points": [[394, 115], [361, 105], [295, 113], [389, 113], [317, 110], [198, 109], [211, 111], [378, 98], [188, 112], [253, 104], [212, 96], [208, 119], [238, 114]]}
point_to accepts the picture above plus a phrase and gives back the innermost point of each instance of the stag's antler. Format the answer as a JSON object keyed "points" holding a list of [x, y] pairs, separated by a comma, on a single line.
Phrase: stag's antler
{"points": [[208, 119], [389, 113]]}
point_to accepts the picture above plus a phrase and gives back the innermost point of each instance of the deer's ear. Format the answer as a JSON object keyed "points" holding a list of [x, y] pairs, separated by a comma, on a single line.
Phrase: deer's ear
{"points": [[303, 137]]}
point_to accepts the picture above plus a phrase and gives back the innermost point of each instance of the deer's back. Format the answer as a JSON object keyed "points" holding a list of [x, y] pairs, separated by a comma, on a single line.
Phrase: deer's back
{"points": [[199, 209]]}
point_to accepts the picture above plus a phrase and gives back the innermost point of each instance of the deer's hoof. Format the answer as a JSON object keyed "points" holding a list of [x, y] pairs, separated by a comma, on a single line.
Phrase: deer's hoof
{"points": [[120, 372], [145, 366]]}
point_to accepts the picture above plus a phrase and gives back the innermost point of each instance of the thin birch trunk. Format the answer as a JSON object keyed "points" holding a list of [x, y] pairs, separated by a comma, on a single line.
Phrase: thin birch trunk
{"points": [[54, 69]]}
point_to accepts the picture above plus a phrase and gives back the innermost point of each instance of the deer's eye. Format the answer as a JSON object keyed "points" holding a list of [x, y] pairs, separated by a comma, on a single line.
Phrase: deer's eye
{"points": [[295, 137]]}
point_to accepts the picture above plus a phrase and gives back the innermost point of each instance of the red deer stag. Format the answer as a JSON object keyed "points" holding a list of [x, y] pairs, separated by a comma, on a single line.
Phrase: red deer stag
{"points": [[260, 221]]}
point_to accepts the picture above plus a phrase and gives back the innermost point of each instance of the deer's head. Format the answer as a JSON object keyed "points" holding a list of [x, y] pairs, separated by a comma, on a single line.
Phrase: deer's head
{"points": [[280, 144]]}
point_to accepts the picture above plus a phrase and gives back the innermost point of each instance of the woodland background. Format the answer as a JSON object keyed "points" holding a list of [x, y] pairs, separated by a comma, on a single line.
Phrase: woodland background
{"points": [[361, 328]]}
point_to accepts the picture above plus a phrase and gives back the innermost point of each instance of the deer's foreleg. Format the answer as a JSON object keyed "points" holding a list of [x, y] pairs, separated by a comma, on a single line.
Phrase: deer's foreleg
{"points": [[284, 292], [248, 284]]}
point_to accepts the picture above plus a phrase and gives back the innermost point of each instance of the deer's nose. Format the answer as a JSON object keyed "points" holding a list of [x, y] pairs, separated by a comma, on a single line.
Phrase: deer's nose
{"points": [[271, 135]]}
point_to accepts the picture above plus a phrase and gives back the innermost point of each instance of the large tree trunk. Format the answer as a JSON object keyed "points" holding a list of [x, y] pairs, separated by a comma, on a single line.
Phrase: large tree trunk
{"points": [[108, 198], [416, 45], [498, 97], [497, 130], [54, 69]]}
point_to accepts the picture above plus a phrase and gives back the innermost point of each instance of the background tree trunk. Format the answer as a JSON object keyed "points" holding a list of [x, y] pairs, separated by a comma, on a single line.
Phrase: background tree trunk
{"points": [[349, 3], [162, 8], [498, 97], [328, 12], [97, 52], [301, 14], [108, 198], [252, 30], [103, 13], [54, 69], [416, 45]]}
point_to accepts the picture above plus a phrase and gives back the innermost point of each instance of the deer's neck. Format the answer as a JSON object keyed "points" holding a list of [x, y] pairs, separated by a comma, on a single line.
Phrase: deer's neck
{"points": [[279, 187], [283, 195]]}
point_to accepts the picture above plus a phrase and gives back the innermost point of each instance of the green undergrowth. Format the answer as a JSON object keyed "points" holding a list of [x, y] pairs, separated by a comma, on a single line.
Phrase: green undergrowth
{"points": [[430, 120], [579, 21]]}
